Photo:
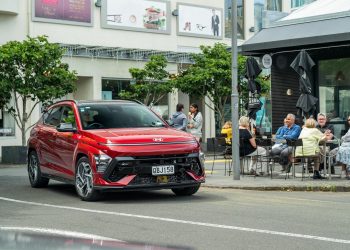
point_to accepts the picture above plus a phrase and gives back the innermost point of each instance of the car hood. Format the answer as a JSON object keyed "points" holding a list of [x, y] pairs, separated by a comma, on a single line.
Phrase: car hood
{"points": [[140, 136]]}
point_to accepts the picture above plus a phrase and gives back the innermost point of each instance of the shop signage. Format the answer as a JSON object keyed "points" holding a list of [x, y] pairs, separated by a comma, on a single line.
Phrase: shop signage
{"points": [[266, 61], [76, 12]]}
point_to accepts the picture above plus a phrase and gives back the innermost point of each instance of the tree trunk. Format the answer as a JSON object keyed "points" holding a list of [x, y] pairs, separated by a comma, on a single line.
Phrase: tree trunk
{"points": [[24, 121]]}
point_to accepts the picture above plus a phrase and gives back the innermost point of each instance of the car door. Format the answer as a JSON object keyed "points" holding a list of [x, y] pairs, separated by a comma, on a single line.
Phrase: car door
{"points": [[65, 144], [47, 137]]}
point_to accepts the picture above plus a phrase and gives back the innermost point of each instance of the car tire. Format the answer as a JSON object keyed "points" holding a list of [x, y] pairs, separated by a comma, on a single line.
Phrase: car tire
{"points": [[34, 173], [84, 181], [186, 191]]}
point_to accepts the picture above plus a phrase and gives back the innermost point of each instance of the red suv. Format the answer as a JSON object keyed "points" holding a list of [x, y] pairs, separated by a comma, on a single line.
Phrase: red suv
{"points": [[112, 145]]}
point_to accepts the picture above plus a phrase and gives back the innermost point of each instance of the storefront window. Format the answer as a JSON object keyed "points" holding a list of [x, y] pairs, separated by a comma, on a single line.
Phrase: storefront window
{"points": [[298, 3], [7, 124], [240, 19], [266, 12], [112, 87], [334, 92]]}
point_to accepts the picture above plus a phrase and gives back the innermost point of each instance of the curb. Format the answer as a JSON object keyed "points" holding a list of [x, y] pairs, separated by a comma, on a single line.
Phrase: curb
{"points": [[326, 188]]}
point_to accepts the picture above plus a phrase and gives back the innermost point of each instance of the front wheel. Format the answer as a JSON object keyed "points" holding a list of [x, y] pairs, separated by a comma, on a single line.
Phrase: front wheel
{"points": [[186, 191], [35, 177], [84, 184]]}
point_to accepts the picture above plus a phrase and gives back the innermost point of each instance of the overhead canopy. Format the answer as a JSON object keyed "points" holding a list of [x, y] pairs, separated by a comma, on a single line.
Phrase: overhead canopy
{"points": [[321, 22]]}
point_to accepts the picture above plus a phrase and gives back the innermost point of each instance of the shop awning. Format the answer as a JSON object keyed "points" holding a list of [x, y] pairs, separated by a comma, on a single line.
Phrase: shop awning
{"points": [[300, 34]]}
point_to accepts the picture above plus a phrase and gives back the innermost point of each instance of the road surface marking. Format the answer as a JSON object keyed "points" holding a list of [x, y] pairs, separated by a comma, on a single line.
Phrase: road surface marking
{"points": [[245, 229], [63, 233]]}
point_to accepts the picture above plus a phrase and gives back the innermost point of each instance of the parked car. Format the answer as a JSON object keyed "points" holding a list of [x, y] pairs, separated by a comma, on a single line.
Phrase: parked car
{"points": [[112, 145]]}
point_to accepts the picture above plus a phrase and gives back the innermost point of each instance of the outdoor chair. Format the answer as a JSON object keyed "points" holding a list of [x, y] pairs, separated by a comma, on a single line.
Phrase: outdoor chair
{"points": [[305, 159], [267, 144], [220, 147]]}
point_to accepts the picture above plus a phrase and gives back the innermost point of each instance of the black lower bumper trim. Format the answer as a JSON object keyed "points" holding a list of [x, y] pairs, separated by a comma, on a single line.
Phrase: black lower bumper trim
{"points": [[146, 187]]}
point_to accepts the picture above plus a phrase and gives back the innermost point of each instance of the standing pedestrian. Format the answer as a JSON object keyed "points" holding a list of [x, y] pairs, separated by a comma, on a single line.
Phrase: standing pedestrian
{"points": [[195, 122], [179, 119]]}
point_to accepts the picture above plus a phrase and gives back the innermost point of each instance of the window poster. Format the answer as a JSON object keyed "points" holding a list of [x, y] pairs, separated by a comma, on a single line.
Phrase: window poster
{"points": [[200, 21], [138, 15], [76, 12]]}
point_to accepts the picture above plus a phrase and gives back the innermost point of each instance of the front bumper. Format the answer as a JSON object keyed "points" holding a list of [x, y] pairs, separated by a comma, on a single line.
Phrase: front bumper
{"points": [[136, 172]]}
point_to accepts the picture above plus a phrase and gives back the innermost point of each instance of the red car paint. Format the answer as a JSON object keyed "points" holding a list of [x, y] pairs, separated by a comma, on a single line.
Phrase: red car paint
{"points": [[132, 150]]}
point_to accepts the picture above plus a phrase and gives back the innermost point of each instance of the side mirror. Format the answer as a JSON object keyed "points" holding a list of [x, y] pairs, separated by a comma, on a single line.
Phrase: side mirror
{"points": [[66, 127]]}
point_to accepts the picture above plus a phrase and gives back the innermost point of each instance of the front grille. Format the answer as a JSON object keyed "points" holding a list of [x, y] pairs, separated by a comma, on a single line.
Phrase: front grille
{"points": [[142, 167]]}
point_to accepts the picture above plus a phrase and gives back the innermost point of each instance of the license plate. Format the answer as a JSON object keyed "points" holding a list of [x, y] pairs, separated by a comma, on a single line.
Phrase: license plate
{"points": [[163, 170]]}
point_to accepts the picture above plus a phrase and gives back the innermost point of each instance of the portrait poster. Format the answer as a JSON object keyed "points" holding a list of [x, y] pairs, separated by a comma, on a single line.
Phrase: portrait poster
{"points": [[76, 12], [137, 15], [200, 21]]}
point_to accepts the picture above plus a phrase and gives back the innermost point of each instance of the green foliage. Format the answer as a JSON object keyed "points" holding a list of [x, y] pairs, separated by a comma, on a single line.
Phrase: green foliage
{"points": [[151, 82], [70, 118], [32, 70], [210, 76]]}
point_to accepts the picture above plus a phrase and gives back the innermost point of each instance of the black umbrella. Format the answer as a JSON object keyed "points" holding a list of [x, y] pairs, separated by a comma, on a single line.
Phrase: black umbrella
{"points": [[252, 71], [303, 65]]}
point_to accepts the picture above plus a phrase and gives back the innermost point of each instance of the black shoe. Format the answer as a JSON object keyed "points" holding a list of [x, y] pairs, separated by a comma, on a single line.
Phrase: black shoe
{"points": [[317, 176]]}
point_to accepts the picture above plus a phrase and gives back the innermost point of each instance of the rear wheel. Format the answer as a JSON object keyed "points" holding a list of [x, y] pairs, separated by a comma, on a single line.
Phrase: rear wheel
{"points": [[34, 173], [186, 191], [84, 184]]}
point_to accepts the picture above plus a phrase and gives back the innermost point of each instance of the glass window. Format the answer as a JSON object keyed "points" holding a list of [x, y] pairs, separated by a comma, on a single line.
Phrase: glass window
{"points": [[240, 19], [54, 116], [117, 115], [266, 12], [334, 91], [275, 5], [7, 123], [112, 87], [68, 116], [298, 3]]}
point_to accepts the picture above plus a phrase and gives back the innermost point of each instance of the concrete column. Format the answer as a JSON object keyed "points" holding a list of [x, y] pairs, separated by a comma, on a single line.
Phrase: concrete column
{"points": [[248, 18], [286, 6]]}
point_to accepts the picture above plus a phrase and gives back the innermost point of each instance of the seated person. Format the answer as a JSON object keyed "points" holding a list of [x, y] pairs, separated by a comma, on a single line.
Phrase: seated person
{"points": [[290, 131], [311, 137], [324, 127], [247, 145], [227, 132], [343, 153]]}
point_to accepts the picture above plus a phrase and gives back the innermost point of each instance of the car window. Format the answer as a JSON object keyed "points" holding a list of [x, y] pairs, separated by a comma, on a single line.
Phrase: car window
{"points": [[117, 115], [68, 116], [54, 116]]}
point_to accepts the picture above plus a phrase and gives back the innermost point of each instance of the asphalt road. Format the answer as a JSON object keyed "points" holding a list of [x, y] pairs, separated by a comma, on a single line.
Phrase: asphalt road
{"points": [[211, 219]]}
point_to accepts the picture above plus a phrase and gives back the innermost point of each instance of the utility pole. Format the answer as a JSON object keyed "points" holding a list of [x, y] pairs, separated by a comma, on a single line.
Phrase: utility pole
{"points": [[234, 95]]}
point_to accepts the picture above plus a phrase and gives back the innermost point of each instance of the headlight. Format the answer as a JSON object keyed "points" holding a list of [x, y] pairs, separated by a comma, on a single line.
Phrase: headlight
{"points": [[102, 162]]}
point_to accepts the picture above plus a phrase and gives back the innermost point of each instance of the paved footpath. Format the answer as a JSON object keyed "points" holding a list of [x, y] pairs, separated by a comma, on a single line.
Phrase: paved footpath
{"points": [[218, 179]]}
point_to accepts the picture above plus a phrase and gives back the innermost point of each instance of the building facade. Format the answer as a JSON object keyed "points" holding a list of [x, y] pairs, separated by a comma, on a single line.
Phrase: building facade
{"points": [[320, 28], [103, 39]]}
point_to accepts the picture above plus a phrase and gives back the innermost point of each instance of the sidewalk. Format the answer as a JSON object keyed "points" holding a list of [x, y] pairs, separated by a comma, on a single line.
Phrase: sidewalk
{"points": [[217, 179], [279, 182]]}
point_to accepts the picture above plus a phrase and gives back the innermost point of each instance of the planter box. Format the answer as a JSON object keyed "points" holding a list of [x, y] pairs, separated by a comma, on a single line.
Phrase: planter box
{"points": [[14, 154]]}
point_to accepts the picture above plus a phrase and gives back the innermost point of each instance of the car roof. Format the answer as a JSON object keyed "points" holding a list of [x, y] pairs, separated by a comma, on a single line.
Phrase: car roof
{"points": [[84, 102]]}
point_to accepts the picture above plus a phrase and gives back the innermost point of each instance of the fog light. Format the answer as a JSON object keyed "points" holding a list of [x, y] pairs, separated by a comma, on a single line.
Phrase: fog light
{"points": [[102, 162]]}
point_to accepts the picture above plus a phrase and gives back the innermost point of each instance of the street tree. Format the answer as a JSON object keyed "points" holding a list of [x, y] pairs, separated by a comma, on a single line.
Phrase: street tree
{"points": [[210, 76], [151, 82], [32, 71]]}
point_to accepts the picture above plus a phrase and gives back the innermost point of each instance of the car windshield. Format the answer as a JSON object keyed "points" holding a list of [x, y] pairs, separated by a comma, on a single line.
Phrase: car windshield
{"points": [[117, 115]]}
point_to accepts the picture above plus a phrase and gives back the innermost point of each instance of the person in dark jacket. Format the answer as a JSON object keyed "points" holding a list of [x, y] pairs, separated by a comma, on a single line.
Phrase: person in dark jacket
{"points": [[179, 119]]}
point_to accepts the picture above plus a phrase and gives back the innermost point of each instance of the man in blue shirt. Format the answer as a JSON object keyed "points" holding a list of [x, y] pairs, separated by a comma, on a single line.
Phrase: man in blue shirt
{"points": [[290, 131]]}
